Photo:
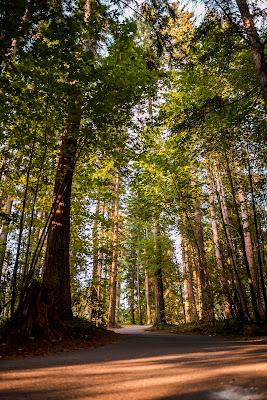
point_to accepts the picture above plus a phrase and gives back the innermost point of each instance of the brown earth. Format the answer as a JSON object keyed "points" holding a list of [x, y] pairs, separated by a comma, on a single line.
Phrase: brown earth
{"points": [[87, 337]]}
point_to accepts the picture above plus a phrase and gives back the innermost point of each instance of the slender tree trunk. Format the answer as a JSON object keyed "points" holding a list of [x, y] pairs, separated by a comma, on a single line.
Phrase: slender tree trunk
{"points": [[230, 243], [118, 305], [243, 246], [36, 190], [207, 312], [190, 311], [147, 285], [249, 246], [114, 257], [197, 284], [147, 294], [4, 231], [94, 284], [258, 241], [21, 225], [139, 303], [217, 248], [132, 297], [159, 290], [100, 267], [257, 48]]}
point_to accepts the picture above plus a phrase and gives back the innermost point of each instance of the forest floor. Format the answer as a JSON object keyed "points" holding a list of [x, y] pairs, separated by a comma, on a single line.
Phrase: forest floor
{"points": [[144, 366], [228, 328], [81, 336]]}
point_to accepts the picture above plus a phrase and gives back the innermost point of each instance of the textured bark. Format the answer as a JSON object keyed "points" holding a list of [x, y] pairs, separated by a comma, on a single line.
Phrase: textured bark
{"points": [[257, 48], [56, 276], [38, 318], [114, 256], [158, 288]]}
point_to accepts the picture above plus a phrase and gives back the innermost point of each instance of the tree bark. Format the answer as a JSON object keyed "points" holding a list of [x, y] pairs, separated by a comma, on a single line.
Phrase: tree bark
{"points": [[94, 283], [140, 315], [56, 276], [257, 48], [217, 247], [231, 248], [4, 231], [207, 312], [258, 241], [147, 285], [132, 297], [249, 246], [243, 245], [114, 257], [190, 311], [159, 289], [147, 294], [21, 225]]}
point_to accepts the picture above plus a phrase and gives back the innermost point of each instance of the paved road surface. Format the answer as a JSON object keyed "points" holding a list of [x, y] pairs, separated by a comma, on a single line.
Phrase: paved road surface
{"points": [[143, 366]]}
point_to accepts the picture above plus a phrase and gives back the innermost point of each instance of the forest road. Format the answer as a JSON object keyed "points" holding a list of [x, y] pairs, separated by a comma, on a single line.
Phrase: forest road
{"points": [[143, 366]]}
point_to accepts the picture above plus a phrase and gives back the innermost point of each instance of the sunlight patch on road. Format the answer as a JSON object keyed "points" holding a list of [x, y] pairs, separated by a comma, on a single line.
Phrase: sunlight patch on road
{"points": [[237, 393]]}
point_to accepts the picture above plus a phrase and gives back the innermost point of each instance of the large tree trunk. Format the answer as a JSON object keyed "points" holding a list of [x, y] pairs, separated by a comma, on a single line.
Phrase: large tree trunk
{"points": [[56, 276], [159, 290], [114, 256], [257, 48]]}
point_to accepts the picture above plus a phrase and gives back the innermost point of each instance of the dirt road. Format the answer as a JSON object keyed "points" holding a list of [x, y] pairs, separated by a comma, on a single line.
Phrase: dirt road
{"points": [[144, 366]]}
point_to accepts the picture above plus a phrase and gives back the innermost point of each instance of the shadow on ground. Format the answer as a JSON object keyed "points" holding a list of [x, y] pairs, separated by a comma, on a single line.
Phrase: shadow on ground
{"points": [[142, 367]]}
